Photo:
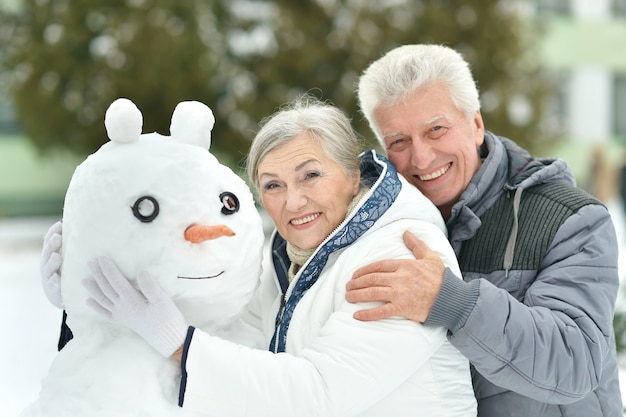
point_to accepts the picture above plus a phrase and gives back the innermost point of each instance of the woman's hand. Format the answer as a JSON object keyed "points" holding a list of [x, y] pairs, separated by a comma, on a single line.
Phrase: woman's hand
{"points": [[147, 309]]}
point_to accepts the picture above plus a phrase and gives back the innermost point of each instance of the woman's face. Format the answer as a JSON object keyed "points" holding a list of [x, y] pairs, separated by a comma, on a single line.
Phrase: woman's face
{"points": [[304, 191]]}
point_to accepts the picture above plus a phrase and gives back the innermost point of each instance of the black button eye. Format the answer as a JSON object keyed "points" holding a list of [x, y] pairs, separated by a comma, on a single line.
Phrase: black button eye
{"points": [[146, 209], [230, 203]]}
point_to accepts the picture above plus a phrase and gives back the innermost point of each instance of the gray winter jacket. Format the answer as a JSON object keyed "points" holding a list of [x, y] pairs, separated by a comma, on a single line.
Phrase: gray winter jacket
{"points": [[534, 312]]}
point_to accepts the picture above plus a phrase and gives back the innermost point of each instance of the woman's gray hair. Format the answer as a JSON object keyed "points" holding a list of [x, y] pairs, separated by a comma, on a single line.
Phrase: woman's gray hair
{"points": [[322, 121], [408, 68]]}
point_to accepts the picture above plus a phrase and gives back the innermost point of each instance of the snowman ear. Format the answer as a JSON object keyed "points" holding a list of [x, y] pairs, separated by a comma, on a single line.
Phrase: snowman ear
{"points": [[192, 123], [123, 121]]}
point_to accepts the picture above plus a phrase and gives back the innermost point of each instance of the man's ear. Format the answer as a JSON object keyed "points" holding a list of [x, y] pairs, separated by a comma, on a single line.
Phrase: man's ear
{"points": [[479, 128]]}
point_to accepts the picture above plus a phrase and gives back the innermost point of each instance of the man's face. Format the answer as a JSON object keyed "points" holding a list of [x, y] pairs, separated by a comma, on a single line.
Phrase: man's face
{"points": [[432, 144]]}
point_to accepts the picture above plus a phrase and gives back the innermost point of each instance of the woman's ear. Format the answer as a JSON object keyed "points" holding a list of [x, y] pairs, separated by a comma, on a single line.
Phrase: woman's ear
{"points": [[357, 183]]}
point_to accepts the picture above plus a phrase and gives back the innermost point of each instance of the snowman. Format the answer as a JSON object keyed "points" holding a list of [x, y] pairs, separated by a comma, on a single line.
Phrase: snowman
{"points": [[166, 206]]}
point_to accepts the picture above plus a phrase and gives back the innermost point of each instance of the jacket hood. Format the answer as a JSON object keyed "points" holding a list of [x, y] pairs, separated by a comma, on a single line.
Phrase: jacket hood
{"points": [[524, 170], [506, 166]]}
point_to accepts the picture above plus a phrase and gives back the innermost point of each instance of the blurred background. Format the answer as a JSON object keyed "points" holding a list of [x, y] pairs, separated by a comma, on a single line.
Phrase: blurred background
{"points": [[552, 76]]}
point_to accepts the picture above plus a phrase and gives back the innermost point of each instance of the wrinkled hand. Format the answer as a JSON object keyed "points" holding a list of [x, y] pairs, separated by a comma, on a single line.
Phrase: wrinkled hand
{"points": [[147, 309], [50, 264], [407, 287]]}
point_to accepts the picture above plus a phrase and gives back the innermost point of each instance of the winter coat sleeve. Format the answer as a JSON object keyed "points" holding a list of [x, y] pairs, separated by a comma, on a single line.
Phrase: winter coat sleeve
{"points": [[454, 302], [551, 345], [328, 379]]}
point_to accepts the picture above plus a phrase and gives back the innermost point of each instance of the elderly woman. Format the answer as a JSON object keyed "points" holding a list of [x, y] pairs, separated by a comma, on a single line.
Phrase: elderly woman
{"points": [[334, 212]]}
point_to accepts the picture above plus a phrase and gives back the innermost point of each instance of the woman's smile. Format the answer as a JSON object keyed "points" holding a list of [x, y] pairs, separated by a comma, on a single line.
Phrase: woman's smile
{"points": [[304, 220]]}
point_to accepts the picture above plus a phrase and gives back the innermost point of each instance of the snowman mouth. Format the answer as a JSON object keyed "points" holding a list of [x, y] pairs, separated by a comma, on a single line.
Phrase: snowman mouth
{"points": [[207, 277]]}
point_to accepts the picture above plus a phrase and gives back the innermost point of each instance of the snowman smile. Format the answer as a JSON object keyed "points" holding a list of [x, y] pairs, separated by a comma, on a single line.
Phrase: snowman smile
{"points": [[207, 277]]}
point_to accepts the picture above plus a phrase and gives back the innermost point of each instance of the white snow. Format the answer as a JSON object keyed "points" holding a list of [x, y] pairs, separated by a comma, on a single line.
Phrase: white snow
{"points": [[29, 324]]}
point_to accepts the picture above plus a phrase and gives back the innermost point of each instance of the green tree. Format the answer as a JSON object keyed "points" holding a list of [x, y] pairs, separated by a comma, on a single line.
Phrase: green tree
{"points": [[70, 60]]}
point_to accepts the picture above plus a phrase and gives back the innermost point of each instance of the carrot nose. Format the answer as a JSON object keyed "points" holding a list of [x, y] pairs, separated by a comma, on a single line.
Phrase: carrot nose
{"points": [[198, 233]]}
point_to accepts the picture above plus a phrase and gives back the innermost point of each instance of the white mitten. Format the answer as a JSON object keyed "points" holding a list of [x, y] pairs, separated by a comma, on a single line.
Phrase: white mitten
{"points": [[50, 264], [147, 309]]}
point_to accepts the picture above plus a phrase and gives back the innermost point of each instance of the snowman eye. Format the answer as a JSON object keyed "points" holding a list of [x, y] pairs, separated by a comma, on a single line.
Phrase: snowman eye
{"points": [[146, 209], [230, 203]]}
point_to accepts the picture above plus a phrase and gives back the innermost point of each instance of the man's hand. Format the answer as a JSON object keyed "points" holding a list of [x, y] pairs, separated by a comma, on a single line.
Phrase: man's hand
{"points": [[147, 309], [408, 287]]}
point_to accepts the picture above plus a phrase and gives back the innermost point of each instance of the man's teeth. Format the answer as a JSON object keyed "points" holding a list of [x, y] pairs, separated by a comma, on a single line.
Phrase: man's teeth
{"points": [[306, 219], [435, 174]]}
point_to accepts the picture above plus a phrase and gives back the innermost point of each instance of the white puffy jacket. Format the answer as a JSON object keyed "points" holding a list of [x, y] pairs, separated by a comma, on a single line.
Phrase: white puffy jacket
{"points": [[331, 364]]}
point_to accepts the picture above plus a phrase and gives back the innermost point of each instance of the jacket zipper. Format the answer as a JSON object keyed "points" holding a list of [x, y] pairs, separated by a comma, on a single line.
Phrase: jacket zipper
{"points": [[279, 317]]}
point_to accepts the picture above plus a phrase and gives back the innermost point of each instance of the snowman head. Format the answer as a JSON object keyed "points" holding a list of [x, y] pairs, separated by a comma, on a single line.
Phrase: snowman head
{"points": [[166, 205]]}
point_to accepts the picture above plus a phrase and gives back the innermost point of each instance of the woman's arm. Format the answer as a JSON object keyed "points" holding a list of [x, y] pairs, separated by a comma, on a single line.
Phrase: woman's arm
{"points": [[346, 368]]}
